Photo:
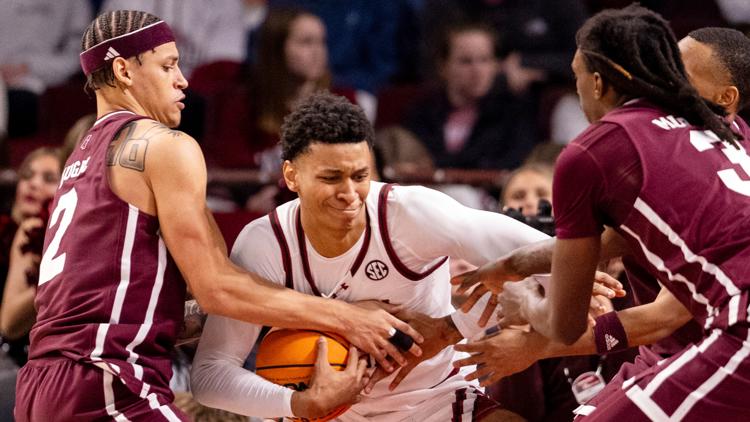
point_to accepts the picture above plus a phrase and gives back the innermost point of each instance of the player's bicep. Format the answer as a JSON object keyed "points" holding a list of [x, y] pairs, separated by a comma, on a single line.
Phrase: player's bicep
{"points": [[177, 176]]}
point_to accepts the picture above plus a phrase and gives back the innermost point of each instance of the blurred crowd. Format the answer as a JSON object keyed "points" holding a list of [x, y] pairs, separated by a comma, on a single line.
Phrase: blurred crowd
{"points": [[448, 84], [483, 86]]}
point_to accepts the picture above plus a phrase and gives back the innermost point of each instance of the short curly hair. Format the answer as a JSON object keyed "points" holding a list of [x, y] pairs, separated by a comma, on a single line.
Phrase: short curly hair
{"points": [[324, 118]]}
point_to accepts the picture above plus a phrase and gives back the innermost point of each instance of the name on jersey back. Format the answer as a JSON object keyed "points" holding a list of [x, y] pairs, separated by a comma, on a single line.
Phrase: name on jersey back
{"points": [[74, 170]]}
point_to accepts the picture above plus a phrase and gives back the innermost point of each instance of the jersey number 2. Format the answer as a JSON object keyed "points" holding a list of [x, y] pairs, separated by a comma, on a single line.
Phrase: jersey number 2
{"points": [[703, 140], [53, 265]]}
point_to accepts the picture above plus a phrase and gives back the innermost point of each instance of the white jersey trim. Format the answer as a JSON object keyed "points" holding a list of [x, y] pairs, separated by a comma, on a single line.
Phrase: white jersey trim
{"points": [[108, 115], [688, 254], [657, 262]]}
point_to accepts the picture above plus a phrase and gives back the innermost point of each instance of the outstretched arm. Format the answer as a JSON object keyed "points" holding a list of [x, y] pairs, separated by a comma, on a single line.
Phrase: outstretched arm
{"points": [[512, 350]]}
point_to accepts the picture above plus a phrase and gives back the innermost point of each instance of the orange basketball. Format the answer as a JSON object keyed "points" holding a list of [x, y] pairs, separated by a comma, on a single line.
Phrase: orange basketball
{"points": [[287, 357]]}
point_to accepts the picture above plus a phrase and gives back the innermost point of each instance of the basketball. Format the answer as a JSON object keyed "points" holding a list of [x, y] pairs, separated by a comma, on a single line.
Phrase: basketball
{"points": [[287, 357]]}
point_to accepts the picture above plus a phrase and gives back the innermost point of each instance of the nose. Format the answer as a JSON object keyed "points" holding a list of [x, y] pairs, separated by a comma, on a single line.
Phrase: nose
{"points": [[347, 192], [530, 206], [36, 182], [181, 82]]}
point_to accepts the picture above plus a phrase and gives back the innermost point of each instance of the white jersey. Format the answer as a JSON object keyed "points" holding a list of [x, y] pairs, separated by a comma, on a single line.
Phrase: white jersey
{"points": [[401, 258]]}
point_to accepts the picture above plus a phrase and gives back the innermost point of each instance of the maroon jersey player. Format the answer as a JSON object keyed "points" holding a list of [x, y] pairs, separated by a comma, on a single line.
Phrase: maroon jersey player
{"points": [[677, 194], [128, 222]]}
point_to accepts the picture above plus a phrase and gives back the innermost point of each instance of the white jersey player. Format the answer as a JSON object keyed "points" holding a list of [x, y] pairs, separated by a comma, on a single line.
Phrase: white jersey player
{"points": [[350, 239]]}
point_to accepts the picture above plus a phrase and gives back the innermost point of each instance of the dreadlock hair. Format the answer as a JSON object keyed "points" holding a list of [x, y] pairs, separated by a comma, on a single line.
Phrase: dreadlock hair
{"points": [[325, 118], [106, 26], [636, 52], [732, 48]]}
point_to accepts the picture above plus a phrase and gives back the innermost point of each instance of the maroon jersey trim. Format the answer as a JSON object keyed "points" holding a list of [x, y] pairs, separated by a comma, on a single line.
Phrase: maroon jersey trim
{"points": [[286, 257], [383, 223], [365, 246], [458, 405], [303, 251]]}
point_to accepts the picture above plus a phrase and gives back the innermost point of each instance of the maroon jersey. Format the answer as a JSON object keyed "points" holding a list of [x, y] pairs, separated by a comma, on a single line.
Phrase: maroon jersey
{"points": [[679, 196], [109, 292]]}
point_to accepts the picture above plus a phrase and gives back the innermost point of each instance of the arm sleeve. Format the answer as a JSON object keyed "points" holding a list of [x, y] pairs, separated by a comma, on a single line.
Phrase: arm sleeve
{"points": [[217, 377], [426, 225]]}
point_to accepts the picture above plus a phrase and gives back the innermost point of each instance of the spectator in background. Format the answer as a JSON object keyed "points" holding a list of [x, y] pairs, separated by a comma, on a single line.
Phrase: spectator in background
{"points": [[21, 237], [39, 48], [525, 187], [537, 37], [472, 121], [361, 41]]}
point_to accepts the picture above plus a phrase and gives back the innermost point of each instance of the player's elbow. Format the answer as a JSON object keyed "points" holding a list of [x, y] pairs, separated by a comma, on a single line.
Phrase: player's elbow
{"points": [[198, 383], [210, 297]]}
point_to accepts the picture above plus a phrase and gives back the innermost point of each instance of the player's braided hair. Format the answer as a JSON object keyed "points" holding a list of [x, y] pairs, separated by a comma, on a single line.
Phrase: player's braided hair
{"points": [[732, 48], [106, 26], [326, 118], [636, 52]]}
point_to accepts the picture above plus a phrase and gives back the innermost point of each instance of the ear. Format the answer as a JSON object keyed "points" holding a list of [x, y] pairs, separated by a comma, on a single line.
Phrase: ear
{"points": [[599, 86], [289, 171], [729, 98], [122, 71]]}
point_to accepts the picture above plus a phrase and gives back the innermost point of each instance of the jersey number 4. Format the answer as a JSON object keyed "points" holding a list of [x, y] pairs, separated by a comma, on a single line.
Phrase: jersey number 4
{"points": [[704, 140], [53, 265]]}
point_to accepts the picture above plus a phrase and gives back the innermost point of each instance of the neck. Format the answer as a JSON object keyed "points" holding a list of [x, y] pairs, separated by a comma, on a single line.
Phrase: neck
{"points": [[306, 89], [109, 100], [330, 241]]}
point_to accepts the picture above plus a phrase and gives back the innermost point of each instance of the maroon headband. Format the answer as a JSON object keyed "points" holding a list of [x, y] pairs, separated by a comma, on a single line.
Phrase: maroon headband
{"points": [[126, 46]]}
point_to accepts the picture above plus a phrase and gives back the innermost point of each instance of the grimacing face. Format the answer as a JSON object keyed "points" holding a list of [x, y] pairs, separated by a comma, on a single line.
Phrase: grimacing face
{"points": [[158, 84], [332, 181]]}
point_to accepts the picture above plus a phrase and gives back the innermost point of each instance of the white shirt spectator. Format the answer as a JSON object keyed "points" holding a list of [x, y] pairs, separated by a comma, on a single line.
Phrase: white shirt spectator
{"points": [[41, 40]]}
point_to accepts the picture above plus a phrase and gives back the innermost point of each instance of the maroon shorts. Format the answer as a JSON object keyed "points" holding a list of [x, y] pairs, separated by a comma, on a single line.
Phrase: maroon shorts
{"points": [[60, 389], [708, 381]]}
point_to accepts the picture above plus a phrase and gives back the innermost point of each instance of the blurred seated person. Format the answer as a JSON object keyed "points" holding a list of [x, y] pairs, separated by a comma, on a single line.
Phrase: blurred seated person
{"points": [[38, 178], [40, 45], [472, 120], [21, 241], [292, 63], [362, 40], [525, 187]]}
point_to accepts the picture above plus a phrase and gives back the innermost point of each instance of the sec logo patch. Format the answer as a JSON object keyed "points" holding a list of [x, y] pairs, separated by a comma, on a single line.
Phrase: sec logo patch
{"points": [[376, 270]]}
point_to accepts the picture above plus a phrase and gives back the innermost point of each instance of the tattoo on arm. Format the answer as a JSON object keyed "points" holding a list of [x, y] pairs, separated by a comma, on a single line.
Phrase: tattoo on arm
{"points": [[131, 152]]}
